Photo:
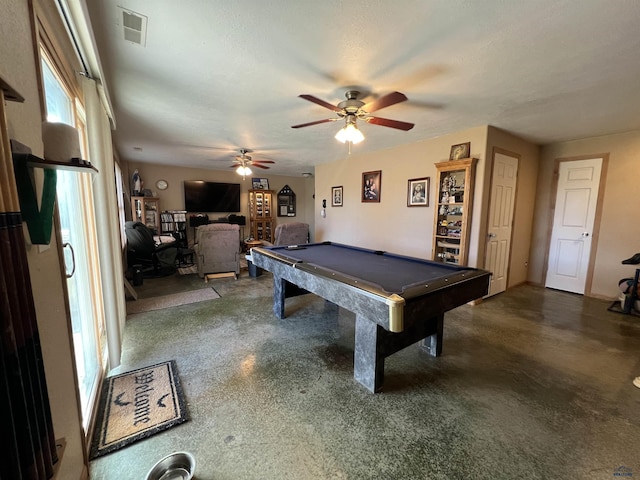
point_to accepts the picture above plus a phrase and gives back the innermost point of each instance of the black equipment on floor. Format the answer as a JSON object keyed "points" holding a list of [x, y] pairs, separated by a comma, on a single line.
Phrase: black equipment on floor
{"points": [[629, 296]]}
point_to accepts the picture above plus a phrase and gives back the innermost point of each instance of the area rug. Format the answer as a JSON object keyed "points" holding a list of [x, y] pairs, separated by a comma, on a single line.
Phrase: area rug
{"points": [[137, 404], [172, 300], [191, 269]]}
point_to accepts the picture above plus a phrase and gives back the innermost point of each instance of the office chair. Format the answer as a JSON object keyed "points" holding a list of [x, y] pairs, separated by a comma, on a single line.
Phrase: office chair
{"points": [[159, 259]]}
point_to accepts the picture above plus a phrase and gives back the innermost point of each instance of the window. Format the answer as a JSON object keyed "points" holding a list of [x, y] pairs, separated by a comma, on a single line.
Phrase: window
{"points": [[79, 243]]}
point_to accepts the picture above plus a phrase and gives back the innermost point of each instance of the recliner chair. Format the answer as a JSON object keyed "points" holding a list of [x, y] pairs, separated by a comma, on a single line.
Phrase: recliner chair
{"points": [[292, 233], [142, 249], [217, 248]]}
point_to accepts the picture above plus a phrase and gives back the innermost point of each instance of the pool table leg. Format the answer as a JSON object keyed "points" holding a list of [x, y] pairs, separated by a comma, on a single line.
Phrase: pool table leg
{"points": [[368, 361], [433, 343], [279, 285]]}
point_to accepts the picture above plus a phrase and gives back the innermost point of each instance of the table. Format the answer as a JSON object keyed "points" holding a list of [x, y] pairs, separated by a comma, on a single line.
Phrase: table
{"points": [[397, 300], [252, 243]]}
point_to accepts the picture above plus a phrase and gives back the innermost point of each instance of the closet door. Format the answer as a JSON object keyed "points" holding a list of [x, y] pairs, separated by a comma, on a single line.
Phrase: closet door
{"points": [[500, 221]]}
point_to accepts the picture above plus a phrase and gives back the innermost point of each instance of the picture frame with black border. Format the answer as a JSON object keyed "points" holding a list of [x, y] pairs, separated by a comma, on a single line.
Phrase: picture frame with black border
{"points": [[460, 150], [418, 192], [337, 196], [260, 183], [371, 186]]}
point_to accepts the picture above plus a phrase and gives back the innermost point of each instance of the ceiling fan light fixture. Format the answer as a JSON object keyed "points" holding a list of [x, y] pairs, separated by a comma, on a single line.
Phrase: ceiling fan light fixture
{"points": [[350, 133], [243, 170]]}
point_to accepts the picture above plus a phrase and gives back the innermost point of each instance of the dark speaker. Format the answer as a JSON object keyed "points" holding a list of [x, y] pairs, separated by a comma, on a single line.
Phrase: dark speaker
{"points": [[197, 220]]}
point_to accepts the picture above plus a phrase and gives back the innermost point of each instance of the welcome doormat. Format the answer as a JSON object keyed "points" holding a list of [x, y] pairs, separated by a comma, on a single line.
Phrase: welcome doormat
{"points": [[137, 404], [172, 300]]}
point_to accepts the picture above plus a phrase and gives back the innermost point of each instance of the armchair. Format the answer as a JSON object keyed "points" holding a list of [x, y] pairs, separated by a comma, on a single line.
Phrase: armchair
{"points": [[217, 248], [142, 249], [293, 233]]}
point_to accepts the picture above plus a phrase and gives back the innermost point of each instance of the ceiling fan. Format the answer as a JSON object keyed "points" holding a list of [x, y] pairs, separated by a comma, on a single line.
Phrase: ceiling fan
{"points": [[243, 161], [353, 109]]}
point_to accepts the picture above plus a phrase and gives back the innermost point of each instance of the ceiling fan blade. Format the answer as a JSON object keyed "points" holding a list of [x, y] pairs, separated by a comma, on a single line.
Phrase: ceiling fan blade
{"points": [[262, 161], [385, 122], [385, 101], [322, 103], [259, 166], [314, 123]]}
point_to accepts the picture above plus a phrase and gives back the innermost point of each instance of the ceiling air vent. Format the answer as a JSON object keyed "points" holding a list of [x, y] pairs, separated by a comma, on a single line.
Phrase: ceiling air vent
{"points": [[134, 26]]}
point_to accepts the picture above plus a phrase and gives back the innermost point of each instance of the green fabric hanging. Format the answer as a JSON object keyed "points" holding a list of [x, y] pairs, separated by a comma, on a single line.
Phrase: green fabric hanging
{"points": [[39, 220]]}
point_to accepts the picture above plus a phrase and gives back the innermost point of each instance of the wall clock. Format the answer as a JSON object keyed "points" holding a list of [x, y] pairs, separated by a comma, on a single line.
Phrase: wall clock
{"points": [[162, 184]]}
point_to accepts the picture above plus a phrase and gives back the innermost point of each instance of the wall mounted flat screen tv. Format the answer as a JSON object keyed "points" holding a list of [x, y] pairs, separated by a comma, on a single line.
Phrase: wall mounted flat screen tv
{"points": [[200, 196]]}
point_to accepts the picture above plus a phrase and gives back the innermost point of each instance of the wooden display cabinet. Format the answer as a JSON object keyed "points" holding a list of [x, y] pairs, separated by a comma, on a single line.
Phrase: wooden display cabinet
{"points": [[261, 215], [147, 211], [454, 201]]}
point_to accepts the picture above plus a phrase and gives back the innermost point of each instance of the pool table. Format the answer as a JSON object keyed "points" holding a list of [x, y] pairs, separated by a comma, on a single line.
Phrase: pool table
{"points": [[397, 300]]}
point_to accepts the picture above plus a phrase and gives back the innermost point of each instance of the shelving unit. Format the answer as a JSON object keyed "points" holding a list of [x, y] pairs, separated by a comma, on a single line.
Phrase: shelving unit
{"points": [[174, 222], [147, 211], [261, 214], [454, 196], [38, 206]]}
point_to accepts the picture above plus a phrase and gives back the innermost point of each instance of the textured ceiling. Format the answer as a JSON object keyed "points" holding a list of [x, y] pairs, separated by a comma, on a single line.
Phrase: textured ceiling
{"points": [[217, 76]]}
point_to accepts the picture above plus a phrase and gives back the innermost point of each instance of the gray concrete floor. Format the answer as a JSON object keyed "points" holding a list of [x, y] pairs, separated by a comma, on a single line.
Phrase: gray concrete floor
{"points": [[533, 383]]}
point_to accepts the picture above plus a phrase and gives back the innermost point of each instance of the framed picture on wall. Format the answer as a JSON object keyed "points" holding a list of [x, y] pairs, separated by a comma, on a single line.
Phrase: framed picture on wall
{"points": [[418, 192], [336, 196], [371, 186], [461, 150], [260, 183]]}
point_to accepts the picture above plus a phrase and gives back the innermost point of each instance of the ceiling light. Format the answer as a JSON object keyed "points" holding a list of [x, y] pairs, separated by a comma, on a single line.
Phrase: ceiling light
{"points": [[244, 171], [350, 132]]}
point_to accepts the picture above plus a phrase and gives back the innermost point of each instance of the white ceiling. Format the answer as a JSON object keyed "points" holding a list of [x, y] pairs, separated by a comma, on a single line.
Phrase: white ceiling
{"points": [[218, 75]]}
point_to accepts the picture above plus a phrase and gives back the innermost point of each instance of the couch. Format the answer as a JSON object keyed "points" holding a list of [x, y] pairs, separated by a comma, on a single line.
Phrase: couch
{"points": [[217, 248]]}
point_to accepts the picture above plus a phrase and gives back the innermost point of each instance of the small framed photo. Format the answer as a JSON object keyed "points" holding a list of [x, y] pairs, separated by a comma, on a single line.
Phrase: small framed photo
{"points": [[371, 186], [336, 196], [418, 192], [260, 183], [461, 150]]}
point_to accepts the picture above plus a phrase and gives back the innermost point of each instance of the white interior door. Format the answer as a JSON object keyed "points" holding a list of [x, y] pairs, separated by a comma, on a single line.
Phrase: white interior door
{"points": [[573, 220], [500, 222]]}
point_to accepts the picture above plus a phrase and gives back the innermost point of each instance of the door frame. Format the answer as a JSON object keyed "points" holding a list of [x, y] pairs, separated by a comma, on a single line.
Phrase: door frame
{"points": [[507, 153], [596, 220]]}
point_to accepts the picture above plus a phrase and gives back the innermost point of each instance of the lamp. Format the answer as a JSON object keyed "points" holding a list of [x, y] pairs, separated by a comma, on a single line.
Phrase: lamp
{"points": [[350, 132], [244, 171]]}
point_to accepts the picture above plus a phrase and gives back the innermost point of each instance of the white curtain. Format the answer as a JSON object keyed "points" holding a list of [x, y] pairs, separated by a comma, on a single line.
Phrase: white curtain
{"points": [[107, 225]]}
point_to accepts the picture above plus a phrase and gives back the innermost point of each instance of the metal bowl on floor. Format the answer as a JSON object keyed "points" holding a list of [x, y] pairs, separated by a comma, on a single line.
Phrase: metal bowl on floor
{"points": [[177, 466]]}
